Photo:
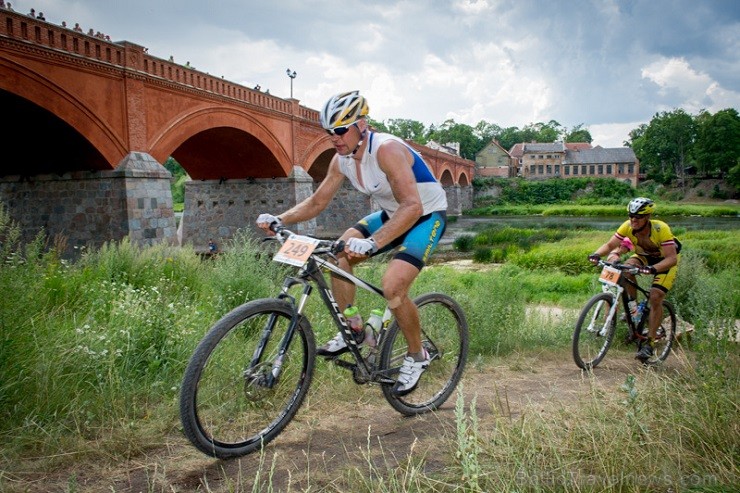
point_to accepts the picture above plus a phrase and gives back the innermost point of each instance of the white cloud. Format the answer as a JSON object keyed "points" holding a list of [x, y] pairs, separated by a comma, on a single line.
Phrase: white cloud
{"points": [[612, 134], [684, 87], [602, 63], [471, 7]]}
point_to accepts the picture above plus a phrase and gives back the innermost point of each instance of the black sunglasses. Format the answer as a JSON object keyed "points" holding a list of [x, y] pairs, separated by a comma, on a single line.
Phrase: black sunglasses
{"points": [[637, 216], [340, 130]]}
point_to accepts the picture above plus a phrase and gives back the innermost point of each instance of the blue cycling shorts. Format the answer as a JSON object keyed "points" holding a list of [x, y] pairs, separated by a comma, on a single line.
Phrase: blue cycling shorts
{"points": [[417, 244]]}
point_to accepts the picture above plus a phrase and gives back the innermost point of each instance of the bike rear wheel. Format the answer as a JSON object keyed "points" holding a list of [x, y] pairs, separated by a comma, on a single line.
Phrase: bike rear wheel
{"points": [[445, 336], [594, 331], [228, 407]]}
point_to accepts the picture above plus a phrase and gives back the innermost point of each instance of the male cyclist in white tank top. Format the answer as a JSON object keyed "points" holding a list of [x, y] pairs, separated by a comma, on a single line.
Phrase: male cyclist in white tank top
{"points": [[412, 217]]}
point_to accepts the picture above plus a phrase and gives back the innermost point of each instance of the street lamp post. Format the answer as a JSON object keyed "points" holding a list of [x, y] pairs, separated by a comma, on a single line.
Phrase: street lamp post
{"points": [[292, 76]]}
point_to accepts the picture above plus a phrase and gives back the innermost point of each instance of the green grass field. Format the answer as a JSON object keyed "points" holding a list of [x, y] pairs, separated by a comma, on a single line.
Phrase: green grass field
{"points": [[92, 354]]}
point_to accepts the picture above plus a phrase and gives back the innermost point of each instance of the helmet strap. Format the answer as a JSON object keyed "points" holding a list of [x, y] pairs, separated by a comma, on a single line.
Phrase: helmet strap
{"points": [[362, 139]]}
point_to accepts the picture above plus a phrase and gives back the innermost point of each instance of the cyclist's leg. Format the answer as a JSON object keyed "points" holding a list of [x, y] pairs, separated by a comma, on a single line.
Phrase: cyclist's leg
{"points": [[396, 284], [662, 283], [416, 247], [657, 295], [637, 261]]}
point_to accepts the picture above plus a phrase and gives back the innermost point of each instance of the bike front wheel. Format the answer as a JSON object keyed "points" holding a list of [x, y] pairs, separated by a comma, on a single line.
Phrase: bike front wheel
{"points": [[594, 331], [246, 379], [444, 334]]}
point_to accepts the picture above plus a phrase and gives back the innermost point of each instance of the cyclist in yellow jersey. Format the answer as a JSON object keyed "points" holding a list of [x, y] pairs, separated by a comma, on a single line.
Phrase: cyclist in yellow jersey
{"points": [[656, 253]]}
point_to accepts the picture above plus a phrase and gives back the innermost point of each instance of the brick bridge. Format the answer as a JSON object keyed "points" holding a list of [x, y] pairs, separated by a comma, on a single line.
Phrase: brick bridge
{"points": [[86, 124]]}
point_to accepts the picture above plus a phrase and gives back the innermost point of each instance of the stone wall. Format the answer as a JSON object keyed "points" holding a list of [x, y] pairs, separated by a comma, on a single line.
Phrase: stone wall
{"points": [[134, 200], [86, 209], [219, 210], [347, 207], [466, 197]]}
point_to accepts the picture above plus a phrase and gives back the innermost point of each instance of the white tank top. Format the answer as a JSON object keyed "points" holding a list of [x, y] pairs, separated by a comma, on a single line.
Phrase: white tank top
{"points": [[376, 185]]}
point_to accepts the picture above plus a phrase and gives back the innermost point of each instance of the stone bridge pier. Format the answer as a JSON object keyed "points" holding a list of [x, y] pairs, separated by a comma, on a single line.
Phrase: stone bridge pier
{"points": [[88, 208]]}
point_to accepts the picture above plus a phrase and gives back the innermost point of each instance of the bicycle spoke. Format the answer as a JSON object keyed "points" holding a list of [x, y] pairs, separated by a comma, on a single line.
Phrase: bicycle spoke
{"points": [[594, 331], [666, 334], [233, 408], [444, 336]]}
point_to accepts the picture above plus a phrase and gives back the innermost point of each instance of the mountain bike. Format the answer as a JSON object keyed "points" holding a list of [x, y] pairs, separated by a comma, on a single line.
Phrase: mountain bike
{"points": [[250, 373], [597, 322]]}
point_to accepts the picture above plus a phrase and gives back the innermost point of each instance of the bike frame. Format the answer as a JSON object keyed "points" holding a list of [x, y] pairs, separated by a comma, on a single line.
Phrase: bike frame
{"points": [[618, 292], [312, 273]]}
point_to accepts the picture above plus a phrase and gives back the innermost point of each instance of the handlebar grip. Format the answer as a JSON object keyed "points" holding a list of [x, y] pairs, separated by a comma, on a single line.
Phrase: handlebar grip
{"points": [[338, 247]]}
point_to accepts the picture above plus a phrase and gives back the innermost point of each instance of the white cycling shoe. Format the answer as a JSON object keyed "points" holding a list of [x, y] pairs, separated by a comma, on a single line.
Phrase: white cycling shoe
{"points": [[337, 346], [409, 374]]}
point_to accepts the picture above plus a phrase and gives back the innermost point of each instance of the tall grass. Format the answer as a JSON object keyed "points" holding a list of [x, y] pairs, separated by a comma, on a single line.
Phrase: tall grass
{"points": [[618, 210], [663, 432], [92, 355], [93, 350]]}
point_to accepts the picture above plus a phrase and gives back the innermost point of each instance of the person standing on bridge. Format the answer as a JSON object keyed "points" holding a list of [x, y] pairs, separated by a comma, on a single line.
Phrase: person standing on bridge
{"points": [[413, 216]]}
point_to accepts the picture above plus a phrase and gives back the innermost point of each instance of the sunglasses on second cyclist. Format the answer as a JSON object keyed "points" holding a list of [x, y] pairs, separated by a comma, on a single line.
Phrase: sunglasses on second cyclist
{"points": [[340, 130], [638, 216]]}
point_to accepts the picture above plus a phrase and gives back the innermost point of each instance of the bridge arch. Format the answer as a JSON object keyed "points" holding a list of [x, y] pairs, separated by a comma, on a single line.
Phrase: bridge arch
{"points": [[105, 149], [445, 177], [317, 158], [220, 142]]}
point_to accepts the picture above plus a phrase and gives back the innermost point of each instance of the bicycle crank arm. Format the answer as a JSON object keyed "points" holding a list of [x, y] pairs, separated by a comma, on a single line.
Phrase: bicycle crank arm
{"points": [[344, 364]]}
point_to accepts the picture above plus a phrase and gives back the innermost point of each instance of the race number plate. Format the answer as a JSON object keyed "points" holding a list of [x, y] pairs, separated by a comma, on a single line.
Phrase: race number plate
{"points": [[610, 275], [296, 250]]}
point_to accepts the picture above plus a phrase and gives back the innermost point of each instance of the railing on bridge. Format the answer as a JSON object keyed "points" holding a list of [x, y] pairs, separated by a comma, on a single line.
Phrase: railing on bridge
{"points": [[135, 57]]}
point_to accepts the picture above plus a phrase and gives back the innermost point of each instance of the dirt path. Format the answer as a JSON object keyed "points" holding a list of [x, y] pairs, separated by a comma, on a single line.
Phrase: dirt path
{"points": [[317, 446]]}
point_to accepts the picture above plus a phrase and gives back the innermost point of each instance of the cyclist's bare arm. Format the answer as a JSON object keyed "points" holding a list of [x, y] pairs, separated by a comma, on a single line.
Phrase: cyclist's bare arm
{"points": [[669, 260], [610, 246], [318, 201]]}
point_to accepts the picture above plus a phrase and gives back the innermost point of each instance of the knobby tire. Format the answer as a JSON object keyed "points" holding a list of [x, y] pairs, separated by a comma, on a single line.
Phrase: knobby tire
{"points": [[592, 337], [226, 408], [445, 336], [666, 335]]}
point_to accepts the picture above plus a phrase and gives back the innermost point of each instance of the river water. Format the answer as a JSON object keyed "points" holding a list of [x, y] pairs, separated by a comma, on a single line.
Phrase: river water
{"points": [[470, 225]]}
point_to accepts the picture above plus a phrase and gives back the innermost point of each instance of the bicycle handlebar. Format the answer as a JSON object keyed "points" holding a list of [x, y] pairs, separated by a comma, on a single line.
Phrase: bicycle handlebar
{"points": [[629, 269], [324, 247]]}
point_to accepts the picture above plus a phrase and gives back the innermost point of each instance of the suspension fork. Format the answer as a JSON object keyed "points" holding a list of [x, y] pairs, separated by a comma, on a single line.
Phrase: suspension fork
{"points": [[295, 318], [613, 310]]}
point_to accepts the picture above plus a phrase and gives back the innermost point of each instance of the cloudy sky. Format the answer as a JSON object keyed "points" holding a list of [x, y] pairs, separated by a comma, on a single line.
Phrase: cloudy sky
{"points": [[607, 64]]}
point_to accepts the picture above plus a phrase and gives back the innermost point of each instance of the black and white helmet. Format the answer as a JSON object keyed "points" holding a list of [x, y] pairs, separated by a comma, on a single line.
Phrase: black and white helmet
{"points": [[641, 205]]}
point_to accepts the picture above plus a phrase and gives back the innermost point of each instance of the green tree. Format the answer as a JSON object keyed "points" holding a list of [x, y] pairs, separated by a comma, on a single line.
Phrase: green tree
{"points": [[665, 146], [486, 132], [733, 176], [407, 129], [464, 134], [717, 148], [378, 126], [545, 132], [179, 177], [510, 136], [578, 134]]}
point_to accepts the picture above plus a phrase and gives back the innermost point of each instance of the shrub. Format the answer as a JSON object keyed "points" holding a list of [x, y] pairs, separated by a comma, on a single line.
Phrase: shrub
{"points": [[482, 254], [463, 243]]}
